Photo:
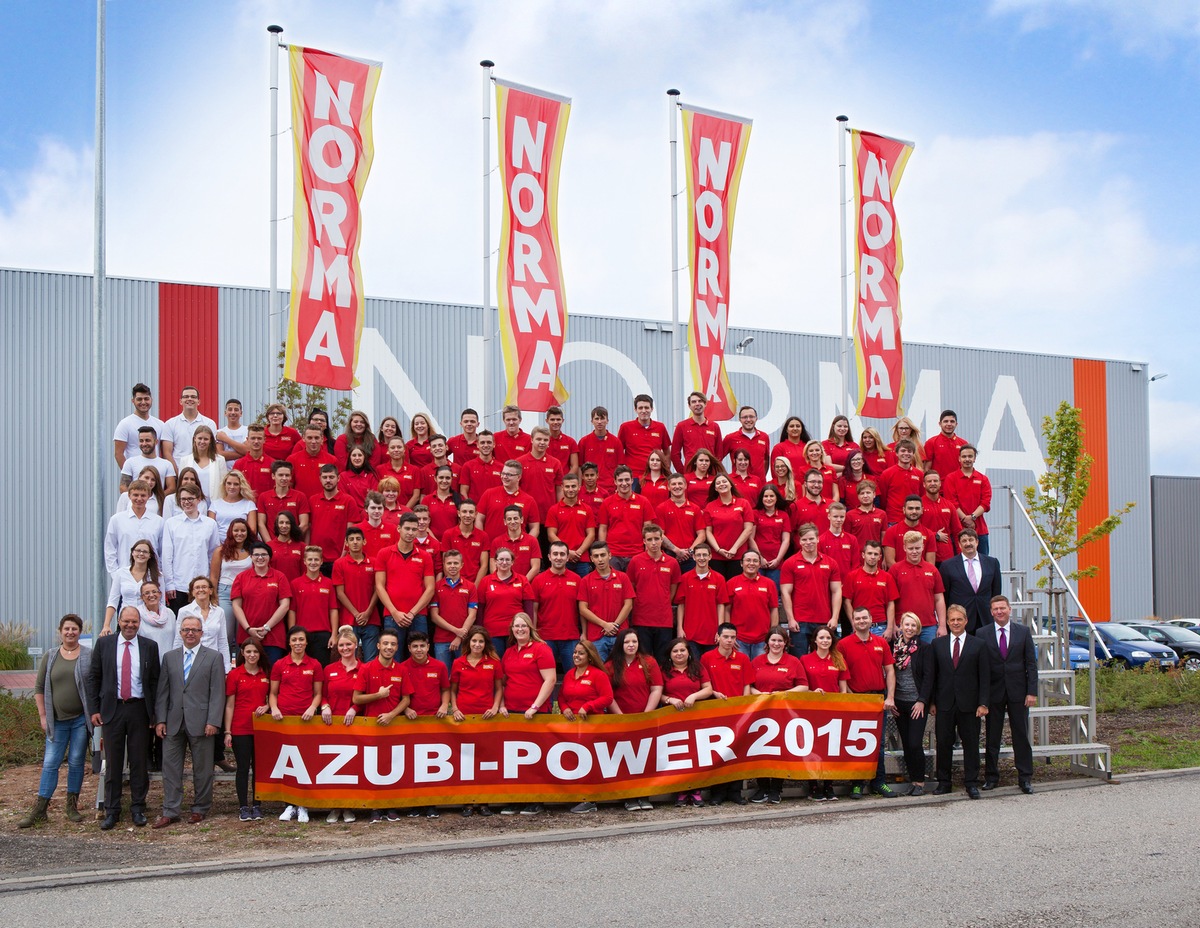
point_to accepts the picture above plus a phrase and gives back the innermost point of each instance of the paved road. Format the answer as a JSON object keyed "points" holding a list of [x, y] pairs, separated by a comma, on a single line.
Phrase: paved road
{"points": [[1122, 855]]}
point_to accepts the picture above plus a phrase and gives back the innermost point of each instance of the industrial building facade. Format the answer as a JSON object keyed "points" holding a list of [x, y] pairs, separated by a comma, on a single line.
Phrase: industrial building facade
{"points": [[430, 357]]}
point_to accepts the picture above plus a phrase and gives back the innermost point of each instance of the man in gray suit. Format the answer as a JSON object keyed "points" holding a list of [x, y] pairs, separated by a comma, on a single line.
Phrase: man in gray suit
{"points": [[191, 701]]}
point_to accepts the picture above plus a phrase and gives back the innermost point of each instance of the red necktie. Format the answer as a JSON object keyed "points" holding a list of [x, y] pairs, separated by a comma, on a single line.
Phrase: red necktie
{"points": [[127, 672], [954, 656]]}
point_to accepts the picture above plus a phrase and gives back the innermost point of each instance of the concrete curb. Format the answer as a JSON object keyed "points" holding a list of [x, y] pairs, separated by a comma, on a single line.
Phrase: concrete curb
{"points": [[794, 810]]}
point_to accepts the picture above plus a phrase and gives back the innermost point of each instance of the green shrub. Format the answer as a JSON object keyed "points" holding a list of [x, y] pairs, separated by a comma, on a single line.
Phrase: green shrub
{"points": [[1144, 688], [14, 646], [21, 738]]}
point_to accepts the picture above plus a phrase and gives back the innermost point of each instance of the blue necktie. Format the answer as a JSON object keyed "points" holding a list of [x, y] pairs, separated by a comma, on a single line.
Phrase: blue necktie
{"points": [[187, 664]]}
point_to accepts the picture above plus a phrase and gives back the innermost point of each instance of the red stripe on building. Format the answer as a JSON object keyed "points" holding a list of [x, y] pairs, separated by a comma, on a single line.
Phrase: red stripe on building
{"points": [[1091, 397], [188, 348]]}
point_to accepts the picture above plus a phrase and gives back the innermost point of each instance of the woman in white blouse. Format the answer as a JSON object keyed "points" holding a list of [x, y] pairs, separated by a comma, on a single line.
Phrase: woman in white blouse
{"points": [[228, 561], [236, 501], [212, 619], [208, 463], [126, 586]]}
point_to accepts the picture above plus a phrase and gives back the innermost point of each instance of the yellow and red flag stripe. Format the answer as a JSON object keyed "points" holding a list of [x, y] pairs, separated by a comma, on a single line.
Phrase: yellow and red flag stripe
{"points": [[879, 260], [716, 151], [332, 96], [430, 761], [532, 127]]}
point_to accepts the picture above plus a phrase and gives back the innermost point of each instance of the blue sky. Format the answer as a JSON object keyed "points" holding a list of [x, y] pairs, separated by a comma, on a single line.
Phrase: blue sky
{"points": [[1047, 206]]}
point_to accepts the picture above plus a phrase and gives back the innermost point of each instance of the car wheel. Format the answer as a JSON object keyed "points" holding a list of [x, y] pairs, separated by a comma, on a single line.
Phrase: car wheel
{"points": [[1191, 662], [1119, 663]]}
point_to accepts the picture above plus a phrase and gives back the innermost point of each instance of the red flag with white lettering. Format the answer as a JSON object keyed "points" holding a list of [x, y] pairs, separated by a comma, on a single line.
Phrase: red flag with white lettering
{"points": [[716, 151], [879, 354], [331, 122], [532, 126]]}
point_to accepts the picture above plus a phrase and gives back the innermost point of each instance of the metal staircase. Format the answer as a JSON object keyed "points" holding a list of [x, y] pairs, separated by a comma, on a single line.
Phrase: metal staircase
{"points": [[1058, 697]]}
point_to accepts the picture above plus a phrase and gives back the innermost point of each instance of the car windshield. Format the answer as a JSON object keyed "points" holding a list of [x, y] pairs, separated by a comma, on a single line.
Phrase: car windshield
{"points": [[1121, 632], [1179, 635]]}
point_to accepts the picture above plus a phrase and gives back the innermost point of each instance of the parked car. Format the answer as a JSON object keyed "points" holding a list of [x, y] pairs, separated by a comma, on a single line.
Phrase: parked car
{"points": [[1129, 647], [1189, 624], [1080, 657], [1185, 644]]}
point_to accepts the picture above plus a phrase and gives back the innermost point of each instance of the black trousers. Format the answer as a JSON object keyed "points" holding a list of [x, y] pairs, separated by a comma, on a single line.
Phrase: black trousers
{"points": [[912, 737], [966, 725], [127, 734], [243, 753], [1018, 723]]}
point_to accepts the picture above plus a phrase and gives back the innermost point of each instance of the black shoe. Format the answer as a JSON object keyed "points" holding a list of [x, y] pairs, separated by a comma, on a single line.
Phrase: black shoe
{"points": [[989, 785], [110, 821], [1026, 786], [739, 800], [139, 818], [973, 792], [759, 796], [942, 789], [917, 790]]}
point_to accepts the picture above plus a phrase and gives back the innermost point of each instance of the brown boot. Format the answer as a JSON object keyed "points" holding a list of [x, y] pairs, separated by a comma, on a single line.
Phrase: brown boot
{"points": [[73, 808], [36, 814]]}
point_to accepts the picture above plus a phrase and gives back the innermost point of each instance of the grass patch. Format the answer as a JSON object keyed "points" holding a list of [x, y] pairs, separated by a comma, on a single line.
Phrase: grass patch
{"points": [[1147, 750], [1143, 688], [14, 646], [22, 740]]}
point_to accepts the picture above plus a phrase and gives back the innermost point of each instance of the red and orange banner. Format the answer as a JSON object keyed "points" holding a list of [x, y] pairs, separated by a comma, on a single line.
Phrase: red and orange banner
{"points": [[716, 151], [879, 260], [532, 126], [331, 121], [429, 761]]}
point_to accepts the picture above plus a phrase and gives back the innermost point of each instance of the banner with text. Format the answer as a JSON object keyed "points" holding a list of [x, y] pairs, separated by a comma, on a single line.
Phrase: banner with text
{"points": [[429, 761], [716, 151], [332, 98], [532, 126], [879, 260]]}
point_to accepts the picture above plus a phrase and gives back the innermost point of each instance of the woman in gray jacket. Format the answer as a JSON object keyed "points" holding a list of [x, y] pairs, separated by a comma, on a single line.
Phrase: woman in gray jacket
{"points": [[61, 698]]}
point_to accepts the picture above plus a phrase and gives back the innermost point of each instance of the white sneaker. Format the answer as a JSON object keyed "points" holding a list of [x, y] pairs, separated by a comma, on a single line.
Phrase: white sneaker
{"points": [[302, 815], [347, 816], [332, 817], [287, 814]]}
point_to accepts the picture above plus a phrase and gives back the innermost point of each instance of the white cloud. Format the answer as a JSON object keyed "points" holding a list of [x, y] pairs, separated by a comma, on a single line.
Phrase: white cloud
{"points": [[1153, 27], [47, 220]]}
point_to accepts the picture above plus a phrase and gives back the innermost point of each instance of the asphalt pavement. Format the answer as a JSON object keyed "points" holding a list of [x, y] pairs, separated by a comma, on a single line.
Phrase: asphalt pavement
{"points": [[1120, 854]]}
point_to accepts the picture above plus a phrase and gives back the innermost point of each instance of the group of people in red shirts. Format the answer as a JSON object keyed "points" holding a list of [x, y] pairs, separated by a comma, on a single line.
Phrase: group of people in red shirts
{"points": [[489, 573]]}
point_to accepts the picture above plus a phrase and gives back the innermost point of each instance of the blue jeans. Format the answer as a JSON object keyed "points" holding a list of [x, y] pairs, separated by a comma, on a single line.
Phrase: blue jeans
{"points": [[500, 643], [984, 547], [226, 603], [879, 629], [751, 650], [772, 575], [420, 623], [368, 638], [604, 646], [580, 568], [928, 633], [801, 638], [564, 653], [442, 652], [70, 741]]}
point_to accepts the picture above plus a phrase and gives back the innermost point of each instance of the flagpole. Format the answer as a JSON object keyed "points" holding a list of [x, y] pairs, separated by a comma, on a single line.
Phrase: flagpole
{"points": [[841, 131], [99, 438], [488, 327], [274, 32], [676, 341]]}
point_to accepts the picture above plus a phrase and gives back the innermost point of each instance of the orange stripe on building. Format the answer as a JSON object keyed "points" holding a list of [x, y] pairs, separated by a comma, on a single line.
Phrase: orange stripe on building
{"points": [[1092, 400]]}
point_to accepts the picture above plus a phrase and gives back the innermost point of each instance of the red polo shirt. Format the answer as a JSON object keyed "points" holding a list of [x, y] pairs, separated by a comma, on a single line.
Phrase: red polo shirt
{"points": [[865, 661], [625, 518], [750, 605], [605, 596], [606, 453], [639, 440], [558, 605], [812, 593], [917, 586], [870, 591], [652, 581], [357, 580], [729, 675], [571, 523], [261, 596]]}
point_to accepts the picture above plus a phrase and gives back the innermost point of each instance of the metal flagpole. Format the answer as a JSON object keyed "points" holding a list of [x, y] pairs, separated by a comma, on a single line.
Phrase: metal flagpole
{"points": [[488, 326], [100, 439], [676, 340], [841, 131], [274, 32]]}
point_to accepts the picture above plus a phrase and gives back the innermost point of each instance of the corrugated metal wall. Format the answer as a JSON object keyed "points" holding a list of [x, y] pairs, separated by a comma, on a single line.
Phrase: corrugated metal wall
{"points": [[429, 356], [1176, 505]]}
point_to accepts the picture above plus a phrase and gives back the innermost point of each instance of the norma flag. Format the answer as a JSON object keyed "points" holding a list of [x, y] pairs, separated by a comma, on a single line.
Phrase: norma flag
{"points": [[716, 149], [532, 126], [879, 355], [331, 121]]}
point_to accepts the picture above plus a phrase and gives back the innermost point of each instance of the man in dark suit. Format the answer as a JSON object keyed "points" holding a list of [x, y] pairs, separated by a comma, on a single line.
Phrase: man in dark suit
{"points": [[971, 580], [191, 701], [1013, 691], [123, 682], [960, 685]]}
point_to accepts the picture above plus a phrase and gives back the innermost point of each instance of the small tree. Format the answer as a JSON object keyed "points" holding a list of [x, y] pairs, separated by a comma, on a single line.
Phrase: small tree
{"points": [[1055, 502]]}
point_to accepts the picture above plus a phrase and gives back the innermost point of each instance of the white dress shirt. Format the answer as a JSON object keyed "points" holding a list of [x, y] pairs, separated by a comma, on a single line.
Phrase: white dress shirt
{"points": [[213, 633], [125, 529], [187, 549]]}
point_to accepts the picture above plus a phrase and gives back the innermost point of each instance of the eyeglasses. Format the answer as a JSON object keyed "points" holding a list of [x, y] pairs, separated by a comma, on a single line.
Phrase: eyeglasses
{"points": [[260, 554]]}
